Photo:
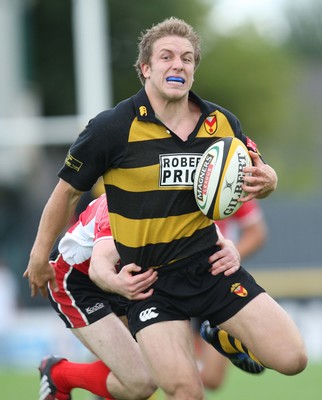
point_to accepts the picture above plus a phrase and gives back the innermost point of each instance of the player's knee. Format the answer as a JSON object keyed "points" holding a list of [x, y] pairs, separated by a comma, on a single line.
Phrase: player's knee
{"points": [[213, 382], [184, 393], [190, 390], [299, 363], [143, 390], [295, 362], [212, 385]]}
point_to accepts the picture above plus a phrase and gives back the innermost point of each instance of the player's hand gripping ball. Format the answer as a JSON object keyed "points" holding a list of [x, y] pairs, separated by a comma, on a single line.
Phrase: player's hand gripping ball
{"points": [[219, 178]]}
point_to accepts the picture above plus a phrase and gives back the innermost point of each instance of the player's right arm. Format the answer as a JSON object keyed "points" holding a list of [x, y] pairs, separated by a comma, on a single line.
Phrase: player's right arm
{"points": [[57, 213], [128, 282]]}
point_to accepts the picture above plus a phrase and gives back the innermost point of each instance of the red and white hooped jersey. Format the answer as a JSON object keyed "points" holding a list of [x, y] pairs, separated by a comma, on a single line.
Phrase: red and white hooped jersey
{"points": [[93, 224]]}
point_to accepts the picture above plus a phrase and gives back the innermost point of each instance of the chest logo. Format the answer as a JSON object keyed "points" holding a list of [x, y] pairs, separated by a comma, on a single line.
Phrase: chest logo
{"points": [[210, 124]]}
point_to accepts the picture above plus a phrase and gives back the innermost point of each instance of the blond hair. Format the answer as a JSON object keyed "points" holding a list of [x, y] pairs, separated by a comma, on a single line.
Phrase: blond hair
{"points": [[169, 27]]}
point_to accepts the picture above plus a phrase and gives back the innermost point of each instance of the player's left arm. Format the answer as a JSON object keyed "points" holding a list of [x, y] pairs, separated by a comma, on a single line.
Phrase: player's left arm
{"points": [[260, 180]]}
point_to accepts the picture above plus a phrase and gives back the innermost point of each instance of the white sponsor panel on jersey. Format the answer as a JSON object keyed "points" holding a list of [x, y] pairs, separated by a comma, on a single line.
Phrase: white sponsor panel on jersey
{"points": [[178, 169]]}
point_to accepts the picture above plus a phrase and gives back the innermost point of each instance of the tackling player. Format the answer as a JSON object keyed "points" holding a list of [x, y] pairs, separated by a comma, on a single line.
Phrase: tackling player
{"points": [[87, 251]]}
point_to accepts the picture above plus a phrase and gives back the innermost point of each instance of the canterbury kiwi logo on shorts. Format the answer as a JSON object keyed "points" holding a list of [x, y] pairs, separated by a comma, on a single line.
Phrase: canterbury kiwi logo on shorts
{"points": [[147, 314]]}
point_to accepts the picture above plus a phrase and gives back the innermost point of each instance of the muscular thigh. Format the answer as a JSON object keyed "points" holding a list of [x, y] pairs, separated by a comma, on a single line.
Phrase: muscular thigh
{"points": [[167, 345], [265, 328]]}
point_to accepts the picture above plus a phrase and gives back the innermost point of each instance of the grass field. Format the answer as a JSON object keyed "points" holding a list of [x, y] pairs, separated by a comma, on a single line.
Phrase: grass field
{"points": [[16, 385]]}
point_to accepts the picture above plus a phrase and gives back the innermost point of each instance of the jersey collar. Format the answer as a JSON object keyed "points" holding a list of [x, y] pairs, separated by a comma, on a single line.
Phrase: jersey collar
{"points": [[145, 112]]}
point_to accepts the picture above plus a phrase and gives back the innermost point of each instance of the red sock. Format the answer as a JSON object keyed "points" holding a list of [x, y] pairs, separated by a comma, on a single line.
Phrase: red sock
{"points": [[90, 376]]}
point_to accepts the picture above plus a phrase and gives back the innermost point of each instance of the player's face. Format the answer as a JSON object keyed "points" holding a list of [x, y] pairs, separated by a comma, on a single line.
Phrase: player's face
{"points": [[171, 69]]}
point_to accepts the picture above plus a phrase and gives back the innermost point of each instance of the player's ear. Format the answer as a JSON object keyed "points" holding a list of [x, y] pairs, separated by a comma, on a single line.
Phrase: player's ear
{"points": [[145, 68]]}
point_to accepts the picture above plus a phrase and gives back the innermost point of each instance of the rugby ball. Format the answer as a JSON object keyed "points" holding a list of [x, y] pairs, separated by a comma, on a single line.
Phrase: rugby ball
{"points": [[219, 177]]}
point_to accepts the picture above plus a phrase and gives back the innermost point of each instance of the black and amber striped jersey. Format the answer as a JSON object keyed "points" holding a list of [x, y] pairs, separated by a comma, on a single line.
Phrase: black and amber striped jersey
{"points": [[148, 175]]}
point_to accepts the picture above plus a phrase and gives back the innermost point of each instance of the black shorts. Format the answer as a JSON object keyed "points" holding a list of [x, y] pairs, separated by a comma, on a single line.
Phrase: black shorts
{"points": [[187, 289], [79, 302]]}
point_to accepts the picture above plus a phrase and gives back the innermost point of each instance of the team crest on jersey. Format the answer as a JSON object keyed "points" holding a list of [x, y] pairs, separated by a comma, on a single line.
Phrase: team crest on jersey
{"points": [[239, 290], [210, 124], [178, 169]]}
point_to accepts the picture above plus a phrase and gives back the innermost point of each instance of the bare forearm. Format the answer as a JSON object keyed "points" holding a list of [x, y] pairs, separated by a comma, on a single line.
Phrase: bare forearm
{"points": [[55, 217], [102, 266], [128, 282], [103, 275]]}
